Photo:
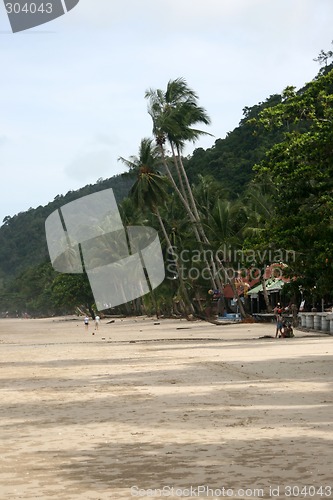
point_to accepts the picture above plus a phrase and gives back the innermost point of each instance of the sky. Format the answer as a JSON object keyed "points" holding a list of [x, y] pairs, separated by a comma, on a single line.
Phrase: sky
{"points": [[72, 90]]}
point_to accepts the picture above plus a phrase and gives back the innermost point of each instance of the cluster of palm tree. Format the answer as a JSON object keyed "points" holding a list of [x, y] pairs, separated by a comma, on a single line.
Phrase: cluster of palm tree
{"points": [[197, 218], [286, 205]]}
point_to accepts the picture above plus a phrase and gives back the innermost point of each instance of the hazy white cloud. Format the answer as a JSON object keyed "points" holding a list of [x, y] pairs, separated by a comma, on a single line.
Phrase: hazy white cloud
{"points": [[105, 140], [90, 166]]}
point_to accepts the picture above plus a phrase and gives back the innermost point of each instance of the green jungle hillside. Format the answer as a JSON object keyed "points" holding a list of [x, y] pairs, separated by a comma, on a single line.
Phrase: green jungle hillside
{"points": [[266, 186]]}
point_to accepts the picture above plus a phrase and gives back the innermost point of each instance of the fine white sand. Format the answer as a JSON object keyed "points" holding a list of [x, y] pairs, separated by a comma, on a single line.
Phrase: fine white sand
{"points": [[166, 405]]}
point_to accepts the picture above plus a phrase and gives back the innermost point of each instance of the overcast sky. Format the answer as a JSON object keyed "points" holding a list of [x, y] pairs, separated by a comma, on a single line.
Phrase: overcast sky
{"points": [[72, 91]]}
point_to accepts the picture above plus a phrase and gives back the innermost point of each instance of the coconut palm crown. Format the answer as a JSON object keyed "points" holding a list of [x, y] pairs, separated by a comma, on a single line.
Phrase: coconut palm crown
{"points": [[174, 112]]}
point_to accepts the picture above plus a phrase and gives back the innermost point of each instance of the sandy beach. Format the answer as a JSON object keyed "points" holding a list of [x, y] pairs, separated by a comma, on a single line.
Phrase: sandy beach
{"points": [[150, 409]]}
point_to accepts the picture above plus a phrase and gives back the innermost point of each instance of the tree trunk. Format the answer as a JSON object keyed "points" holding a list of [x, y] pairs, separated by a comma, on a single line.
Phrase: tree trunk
{"points": [[205, 239], [180, 178], [188, 305], [193, 219], [199, 230], [265, 293]]}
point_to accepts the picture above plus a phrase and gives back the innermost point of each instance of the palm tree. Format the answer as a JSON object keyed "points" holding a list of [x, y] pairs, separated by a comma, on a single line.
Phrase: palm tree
{"points": [[148, 156], [150, 191], [175, 112], [150, 188]]}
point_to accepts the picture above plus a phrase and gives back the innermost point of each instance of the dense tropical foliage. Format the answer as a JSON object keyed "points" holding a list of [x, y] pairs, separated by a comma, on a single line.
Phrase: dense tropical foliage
{"points": [[264, 190]]}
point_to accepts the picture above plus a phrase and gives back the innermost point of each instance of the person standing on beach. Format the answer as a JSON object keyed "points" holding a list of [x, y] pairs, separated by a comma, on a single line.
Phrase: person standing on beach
{"points": [[86, 322], [279, 320], [97, 320]]}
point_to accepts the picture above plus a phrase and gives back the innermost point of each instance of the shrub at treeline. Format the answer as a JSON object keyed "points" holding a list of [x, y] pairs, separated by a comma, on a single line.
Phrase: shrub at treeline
{"points": [[264, 190]]}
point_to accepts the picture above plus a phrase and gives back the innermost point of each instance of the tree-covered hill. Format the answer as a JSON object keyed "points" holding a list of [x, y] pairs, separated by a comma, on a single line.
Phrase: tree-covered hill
{"points": [[266, 187], [230, 160], [22, 237]]}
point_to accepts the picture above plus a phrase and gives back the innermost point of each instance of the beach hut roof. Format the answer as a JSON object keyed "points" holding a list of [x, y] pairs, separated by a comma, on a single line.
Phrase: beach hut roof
{"points": [[255, 290], [275, 286]]}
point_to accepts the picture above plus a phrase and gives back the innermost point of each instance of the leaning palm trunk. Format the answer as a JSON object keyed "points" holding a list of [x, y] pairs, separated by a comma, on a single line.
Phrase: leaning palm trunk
{"points": [[179, 174], [194, 221], [187, 303], [191, 197], [212, 265], [176, 188], [148, 191], [201, 230], [174, 112]]}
